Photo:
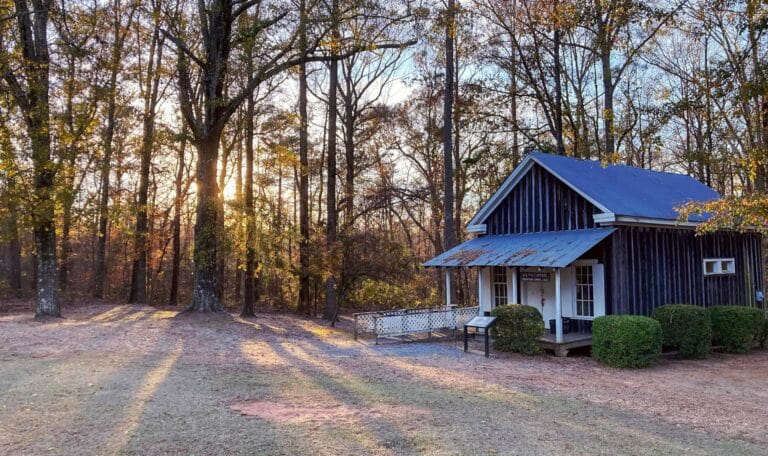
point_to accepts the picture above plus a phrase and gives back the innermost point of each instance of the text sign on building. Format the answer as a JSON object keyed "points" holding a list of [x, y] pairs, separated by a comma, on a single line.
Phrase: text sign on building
{"points": [[534, 276]]}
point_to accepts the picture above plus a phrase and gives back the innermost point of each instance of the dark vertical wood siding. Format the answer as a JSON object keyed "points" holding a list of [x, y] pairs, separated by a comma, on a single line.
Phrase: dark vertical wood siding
{"points": [[541, 202], [651, 267]]}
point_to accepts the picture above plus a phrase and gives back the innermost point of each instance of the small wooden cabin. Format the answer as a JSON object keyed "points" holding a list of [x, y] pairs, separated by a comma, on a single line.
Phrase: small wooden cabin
{"points": [[578, 240]]}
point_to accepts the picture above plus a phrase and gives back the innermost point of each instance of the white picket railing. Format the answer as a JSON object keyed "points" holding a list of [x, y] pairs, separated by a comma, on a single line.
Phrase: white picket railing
{"points": [[390, 323]]}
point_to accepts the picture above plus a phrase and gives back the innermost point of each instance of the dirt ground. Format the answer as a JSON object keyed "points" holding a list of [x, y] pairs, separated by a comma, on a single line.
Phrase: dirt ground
{"points": [[138, 380]]}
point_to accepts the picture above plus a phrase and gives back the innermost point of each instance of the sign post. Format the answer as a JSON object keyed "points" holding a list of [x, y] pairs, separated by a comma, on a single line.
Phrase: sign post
{"points": [[483, 323]]}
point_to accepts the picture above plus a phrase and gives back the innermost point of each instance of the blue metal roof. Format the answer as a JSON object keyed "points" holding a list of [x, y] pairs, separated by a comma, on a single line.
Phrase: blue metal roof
{"points": [[546, 249], [625, 190]]}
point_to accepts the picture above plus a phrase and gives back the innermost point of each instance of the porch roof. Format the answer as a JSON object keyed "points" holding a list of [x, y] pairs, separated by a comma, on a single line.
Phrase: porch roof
{"points": [[555, 249]]}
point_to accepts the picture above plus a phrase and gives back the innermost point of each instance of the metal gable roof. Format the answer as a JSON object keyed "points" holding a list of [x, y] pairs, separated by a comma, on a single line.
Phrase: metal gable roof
{"points": [[617, 190], [628, 191], [555, 249]]}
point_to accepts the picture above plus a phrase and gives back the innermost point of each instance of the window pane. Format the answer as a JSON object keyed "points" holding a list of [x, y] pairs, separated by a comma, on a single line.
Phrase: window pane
{"points": [[499, 286], [584, 292]]}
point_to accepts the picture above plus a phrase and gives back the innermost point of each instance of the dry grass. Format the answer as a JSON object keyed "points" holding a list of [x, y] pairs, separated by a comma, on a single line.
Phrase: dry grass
{"points": [[137, 380]]}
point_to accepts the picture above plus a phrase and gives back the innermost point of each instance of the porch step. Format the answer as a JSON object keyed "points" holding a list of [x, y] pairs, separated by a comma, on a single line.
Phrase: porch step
{"points": [[570, 341]]}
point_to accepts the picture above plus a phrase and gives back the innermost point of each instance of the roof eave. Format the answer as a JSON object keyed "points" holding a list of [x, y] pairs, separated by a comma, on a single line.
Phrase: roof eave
{"points": [[477, 229], [614, 219]]}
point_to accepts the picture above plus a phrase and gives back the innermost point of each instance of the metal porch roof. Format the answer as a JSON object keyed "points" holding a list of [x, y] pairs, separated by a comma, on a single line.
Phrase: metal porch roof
{"points": [[546, 249]]}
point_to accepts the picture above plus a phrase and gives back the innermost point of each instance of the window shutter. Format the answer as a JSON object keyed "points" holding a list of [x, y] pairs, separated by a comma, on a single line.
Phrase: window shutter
{"points": [[598, 278]]}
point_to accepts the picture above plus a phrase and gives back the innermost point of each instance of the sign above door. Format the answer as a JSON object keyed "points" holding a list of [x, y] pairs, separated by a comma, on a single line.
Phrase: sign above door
{"points": [[534, 276]]}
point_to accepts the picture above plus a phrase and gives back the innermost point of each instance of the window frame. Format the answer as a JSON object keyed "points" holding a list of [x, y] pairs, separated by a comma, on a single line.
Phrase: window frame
{"points": [[590, 286], [717, 264], [495, 286]]}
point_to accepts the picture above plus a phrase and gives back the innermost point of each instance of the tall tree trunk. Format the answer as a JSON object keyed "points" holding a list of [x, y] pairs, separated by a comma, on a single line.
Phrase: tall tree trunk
{"points": [[101, 247], [610, 141], [173, 298], [755, 21], [9, 228], [250, 210], [558, 86], [331, 304], [12, 244], [304, 297], [138, 293], [205, 291], [604, 50], [106, 161], [349, 155], [68, 194], [513, 92], [44, 226], [66, 246], [33, 99], [222, 252], [450, 32], [239, 264]]}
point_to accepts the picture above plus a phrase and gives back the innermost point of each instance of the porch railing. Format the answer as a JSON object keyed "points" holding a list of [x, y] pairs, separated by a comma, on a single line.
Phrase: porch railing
{"points": [[391, 323]]}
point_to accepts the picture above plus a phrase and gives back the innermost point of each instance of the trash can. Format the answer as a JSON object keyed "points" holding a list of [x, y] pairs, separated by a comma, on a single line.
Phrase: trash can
{"points": [[566, 326]]}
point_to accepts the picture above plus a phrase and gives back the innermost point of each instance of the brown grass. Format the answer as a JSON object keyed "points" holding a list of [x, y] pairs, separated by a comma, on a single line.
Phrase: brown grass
{"points": [[138, 380]]}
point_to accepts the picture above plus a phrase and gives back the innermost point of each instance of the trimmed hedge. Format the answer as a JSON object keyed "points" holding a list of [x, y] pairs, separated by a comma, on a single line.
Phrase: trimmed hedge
{"points": [[736, 328], [626, 340], [685, 328], [764, 334], [517, 329]]}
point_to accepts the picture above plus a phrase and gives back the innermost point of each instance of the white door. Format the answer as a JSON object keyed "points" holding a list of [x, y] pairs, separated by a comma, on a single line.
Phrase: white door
{"points": [[540, 293], [582, 291]]}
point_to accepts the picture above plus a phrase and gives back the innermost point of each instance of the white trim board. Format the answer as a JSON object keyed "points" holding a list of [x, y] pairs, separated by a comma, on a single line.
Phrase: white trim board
{"points": [[613, 219]]}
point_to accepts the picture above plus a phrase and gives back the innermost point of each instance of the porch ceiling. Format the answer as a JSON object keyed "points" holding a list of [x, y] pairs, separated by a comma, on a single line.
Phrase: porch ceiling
{"points": [[555, 249]]}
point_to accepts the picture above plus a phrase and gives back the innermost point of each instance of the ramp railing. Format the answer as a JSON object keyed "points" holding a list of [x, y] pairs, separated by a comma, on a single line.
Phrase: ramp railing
{"points": [[391, 323]]}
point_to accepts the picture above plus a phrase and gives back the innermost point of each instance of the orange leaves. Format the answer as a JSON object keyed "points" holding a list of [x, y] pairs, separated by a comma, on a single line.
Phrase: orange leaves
{"points": [[740, 213]]}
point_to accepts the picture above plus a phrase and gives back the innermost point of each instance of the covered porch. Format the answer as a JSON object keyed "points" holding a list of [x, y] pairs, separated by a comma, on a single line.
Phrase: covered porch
{"points": [[560, 273], [570, 341]]}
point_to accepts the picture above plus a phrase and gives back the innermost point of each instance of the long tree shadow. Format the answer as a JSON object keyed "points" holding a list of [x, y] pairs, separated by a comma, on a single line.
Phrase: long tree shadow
{"points": [[589, 425], [172, 393], [192, 403]]}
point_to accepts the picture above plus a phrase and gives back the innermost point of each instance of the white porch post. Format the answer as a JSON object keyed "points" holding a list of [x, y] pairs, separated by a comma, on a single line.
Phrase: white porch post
{"points": [[447, 287], [512, 299], [558, 308], [480, 290]]}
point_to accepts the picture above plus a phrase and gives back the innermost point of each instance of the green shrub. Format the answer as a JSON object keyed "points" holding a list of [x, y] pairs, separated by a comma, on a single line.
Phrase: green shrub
{"points": [[736, 328], [517, 329], [685, 328], [626, 340], [764, 334]]}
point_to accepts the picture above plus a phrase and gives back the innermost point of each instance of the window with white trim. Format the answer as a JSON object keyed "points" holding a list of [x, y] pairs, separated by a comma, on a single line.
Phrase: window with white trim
{"points": [[719, 266], [585, 291], [499, 286]]}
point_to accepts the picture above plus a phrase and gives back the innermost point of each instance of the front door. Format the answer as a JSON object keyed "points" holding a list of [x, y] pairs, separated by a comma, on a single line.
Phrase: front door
{"points": [[539, 291], [582, 290]]}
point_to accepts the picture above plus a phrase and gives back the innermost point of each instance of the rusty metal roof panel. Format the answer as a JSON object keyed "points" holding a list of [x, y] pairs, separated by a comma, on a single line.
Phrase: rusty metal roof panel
{"points": [[546, 249]]}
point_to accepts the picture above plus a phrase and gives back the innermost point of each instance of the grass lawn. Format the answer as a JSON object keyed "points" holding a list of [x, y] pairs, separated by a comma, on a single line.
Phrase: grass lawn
{"points": [[137, 380]]}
